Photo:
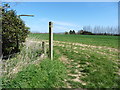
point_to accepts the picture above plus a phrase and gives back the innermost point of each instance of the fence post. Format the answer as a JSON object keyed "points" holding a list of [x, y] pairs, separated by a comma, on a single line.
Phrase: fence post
{"points": [[51, 40], [44, 47]]}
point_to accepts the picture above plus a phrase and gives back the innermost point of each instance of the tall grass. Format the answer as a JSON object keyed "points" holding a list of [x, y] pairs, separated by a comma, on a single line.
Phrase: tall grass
{"points": [[28, 70], [48, 74], [27, 55]]}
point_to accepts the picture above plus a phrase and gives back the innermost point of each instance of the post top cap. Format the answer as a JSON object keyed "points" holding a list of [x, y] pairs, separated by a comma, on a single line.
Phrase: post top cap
{"points": [[50, 22]]}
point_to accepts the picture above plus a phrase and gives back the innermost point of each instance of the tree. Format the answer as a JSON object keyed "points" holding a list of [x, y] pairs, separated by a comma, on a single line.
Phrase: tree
{"points": [[84, 32], [13, 30], [73, 32], [66, 32], [70, 32]]}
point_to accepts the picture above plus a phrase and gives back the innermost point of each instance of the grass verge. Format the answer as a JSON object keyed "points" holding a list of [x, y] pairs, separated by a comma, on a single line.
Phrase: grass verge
{"points": [[34, 72], [48, 74]]}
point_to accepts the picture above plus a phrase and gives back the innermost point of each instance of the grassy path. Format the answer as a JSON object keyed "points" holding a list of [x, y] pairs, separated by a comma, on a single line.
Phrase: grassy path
{"points": [[88, 66], [73, 77], [89, 71], [92, 61]]}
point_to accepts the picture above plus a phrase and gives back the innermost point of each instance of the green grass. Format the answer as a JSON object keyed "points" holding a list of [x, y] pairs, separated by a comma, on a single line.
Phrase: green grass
{"points": [[48, 74], [75, 84], [100, 73], [98, 40], [71, 77], [45, 73]]}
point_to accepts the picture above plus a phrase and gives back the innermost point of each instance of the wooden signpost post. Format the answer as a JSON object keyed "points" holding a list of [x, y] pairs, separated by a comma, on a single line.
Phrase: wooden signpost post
{"points": [[51, 40]]}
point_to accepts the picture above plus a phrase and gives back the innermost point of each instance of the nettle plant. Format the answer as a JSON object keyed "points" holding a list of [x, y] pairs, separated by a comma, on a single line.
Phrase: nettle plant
{"points": [[14, 31]]}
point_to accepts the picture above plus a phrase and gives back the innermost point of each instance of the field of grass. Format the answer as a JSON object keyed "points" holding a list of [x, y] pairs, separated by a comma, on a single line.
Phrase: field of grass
{"points": [[90, 69], [91, 61], [80, 61], [97, 40]]}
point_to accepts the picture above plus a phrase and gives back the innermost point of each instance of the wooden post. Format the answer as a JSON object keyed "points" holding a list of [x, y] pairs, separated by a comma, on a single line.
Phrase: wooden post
{"points": [[44, 47], [51, 40]]}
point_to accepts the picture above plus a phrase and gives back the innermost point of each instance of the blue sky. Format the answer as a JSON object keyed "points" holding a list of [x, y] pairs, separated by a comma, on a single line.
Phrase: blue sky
{"points": [[67, 15]]}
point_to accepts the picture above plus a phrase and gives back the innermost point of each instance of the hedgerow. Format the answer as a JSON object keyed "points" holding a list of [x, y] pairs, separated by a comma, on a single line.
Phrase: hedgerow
{"points": [[14, 31]]}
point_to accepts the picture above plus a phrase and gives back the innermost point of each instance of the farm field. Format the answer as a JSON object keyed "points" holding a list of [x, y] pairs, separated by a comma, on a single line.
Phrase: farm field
{"points": [[97, 40], [59, 45], [91, 61], [77, 63]]}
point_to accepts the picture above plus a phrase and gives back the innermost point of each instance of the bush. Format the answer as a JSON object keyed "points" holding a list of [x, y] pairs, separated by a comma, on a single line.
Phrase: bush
{"points": [[66, 33], [83, 32], [14, 31]]}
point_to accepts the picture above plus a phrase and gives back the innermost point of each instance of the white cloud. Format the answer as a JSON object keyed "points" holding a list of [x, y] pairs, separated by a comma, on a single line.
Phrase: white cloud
{"points": [[55, 22], [62, 26], [60, 29], [41, 25], [61, 23]]}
